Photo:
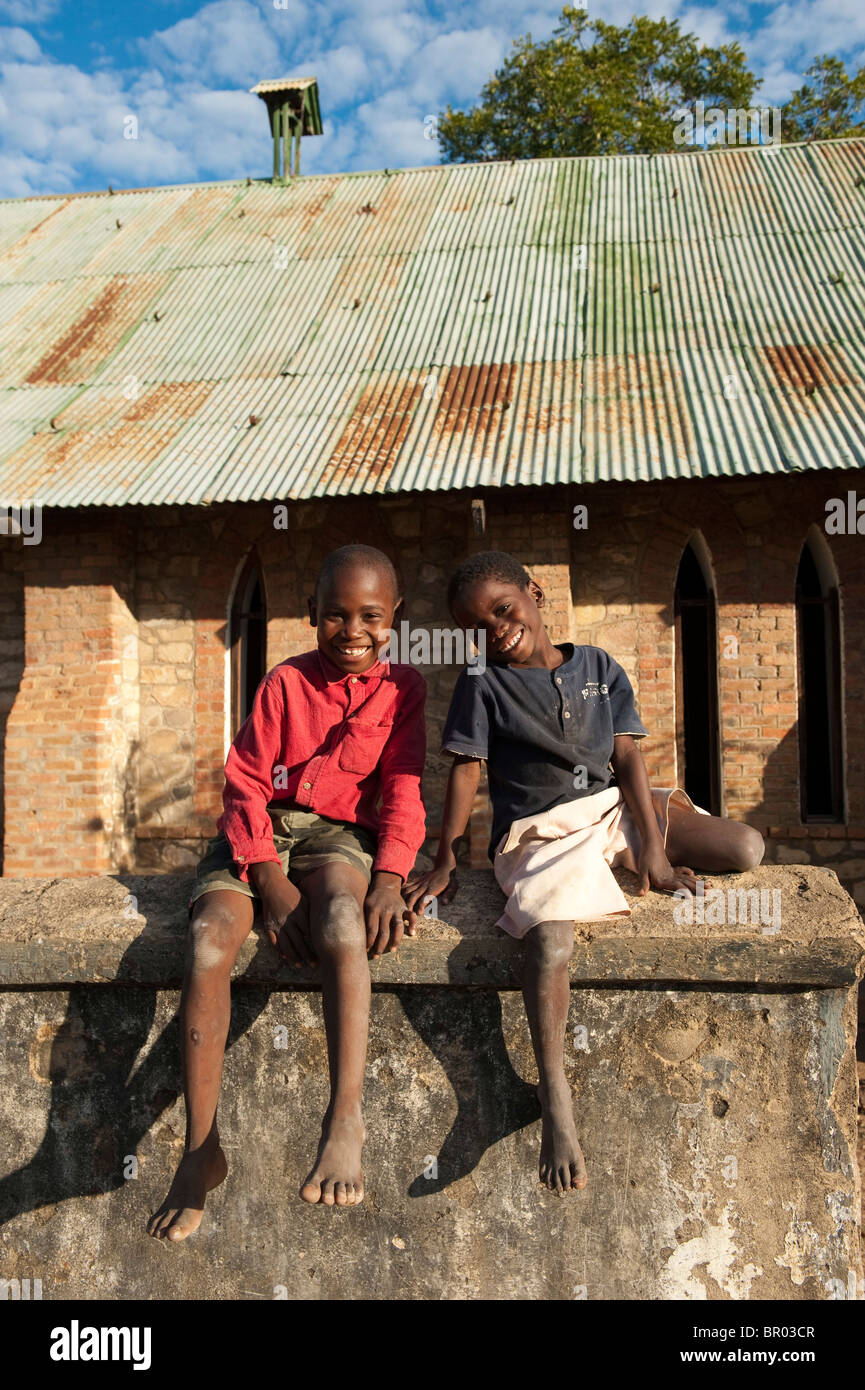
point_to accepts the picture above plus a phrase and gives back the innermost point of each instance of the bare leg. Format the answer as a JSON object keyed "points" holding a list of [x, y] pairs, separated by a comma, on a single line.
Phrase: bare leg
{"points": [[336, 895], [712, 843], [547, 993], [220, 923]]}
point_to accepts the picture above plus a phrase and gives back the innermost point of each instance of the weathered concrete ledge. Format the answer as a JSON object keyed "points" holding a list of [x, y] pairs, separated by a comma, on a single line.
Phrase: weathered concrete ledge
{"points": [[713, 1068], [131, 929]]}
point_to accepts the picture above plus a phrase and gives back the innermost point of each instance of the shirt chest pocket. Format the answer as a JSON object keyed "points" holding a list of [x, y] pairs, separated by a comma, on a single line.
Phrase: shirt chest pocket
{"points": [[362, 745]]}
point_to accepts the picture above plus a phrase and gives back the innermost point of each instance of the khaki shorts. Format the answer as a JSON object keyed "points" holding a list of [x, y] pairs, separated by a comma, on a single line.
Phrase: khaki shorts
{"points": [[303, 840]]}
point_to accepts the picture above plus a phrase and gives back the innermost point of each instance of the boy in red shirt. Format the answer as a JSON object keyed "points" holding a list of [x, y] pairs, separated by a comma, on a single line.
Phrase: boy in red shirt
{"points": [[331, 733]]}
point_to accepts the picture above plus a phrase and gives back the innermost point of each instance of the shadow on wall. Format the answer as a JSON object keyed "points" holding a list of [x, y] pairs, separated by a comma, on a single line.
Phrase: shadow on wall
{"points": [[99, 1111], [781, 808]]}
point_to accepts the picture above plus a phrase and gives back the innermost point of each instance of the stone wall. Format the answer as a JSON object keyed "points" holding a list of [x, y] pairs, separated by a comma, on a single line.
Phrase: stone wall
{"points": [[715, 1094]]}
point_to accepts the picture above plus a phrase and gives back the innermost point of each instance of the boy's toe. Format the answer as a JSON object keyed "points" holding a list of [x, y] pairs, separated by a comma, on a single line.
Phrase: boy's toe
{"points": [[578, 1175], [340, 1194], [161, 1221], [311, 1191]]}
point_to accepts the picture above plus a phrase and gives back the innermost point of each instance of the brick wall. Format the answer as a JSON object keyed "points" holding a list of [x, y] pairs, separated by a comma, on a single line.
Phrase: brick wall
{"points": [[122, 709], [71, 735], [11, 644]]}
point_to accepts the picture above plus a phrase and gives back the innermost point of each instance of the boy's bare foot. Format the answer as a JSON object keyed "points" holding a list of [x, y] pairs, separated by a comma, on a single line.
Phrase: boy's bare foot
{"points": [[562, 1166], [183, 1208], [337, 1179]]}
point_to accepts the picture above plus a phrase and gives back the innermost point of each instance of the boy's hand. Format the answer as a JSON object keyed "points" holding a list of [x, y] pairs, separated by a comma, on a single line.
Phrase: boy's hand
{"points": [[656, 871], [284, 914], [386, 914], [437, 882]]}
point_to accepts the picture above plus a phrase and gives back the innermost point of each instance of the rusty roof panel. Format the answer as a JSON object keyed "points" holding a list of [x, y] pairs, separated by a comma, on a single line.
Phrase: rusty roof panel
{"points": [[21, 221], [693, 314]]}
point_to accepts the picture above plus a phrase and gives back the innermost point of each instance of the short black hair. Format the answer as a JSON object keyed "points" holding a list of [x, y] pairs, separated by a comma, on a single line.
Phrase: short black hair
{"points": [[488, 564], [357, 556]]}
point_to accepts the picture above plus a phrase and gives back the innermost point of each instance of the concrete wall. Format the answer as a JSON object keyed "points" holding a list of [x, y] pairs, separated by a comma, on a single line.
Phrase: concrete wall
{"points": [[714, 1070]]}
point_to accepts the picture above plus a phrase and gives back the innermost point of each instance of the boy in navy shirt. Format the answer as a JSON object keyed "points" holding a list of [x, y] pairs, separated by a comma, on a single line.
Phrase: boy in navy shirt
{"points": [[571, 800]]}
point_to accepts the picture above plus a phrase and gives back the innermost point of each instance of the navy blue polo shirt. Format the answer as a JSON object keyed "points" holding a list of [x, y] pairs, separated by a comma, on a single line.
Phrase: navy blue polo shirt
{"points": [[536, 728]]}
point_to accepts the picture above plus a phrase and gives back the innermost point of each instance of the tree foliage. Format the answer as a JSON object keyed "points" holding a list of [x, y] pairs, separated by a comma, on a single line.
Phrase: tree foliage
{"points": [[829, 104], [595, 88]]}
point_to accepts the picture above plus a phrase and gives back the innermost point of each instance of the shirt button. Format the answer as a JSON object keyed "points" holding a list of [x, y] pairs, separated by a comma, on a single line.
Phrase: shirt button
{"points": [[558, 680], [306, 786], [354, 680], [567, 714]]}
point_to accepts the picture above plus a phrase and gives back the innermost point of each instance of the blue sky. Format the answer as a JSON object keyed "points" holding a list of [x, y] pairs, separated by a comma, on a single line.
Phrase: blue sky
{"points": [[70, 75]]}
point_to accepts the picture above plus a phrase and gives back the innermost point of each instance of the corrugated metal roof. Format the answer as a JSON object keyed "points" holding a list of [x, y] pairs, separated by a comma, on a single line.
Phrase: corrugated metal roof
{"points": [[281, 84], [558, 320]]}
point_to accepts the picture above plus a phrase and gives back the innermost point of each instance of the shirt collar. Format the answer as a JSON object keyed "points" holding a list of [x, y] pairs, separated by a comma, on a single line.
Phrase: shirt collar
{"points": [[335, 676]]}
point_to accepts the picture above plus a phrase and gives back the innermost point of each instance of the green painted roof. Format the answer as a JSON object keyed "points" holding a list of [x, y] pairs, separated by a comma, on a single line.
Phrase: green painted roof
{"points": [[546, 321]]}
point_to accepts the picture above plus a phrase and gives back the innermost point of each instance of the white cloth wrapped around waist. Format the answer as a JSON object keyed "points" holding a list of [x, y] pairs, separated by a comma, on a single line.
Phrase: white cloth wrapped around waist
{"points": [[556, 866]]}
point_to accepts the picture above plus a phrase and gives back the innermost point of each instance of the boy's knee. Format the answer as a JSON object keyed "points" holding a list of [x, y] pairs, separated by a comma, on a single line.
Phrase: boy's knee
{"points": [[551, 944], [749, 849], [339, 925], [208, 941]]}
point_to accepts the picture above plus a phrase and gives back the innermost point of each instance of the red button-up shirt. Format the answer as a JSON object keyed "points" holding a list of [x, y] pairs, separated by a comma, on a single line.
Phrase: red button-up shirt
{"points": [[336, 744]]}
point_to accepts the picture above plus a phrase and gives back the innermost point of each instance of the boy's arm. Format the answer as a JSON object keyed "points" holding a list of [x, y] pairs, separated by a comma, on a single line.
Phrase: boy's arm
{"points": [[461, 791], [401, 823], [654, 866], [257, 747], [402, 820], [631, 776]]}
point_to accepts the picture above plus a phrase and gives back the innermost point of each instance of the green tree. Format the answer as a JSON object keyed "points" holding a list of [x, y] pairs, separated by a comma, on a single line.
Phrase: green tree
{"points": [[594, 88], [828, 106]]}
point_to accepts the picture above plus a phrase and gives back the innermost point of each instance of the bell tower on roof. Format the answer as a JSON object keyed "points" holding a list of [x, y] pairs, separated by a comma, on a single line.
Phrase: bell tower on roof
{"points": [[292, 109]]}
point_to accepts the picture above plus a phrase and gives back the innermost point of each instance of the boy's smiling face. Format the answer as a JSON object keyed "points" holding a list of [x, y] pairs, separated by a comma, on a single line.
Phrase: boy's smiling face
{"points": [[510, 619], [353, 614]]}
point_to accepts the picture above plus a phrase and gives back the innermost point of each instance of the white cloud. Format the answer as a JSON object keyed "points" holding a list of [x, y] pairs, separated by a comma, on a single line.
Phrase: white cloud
{"points": [[382, 66], [228, 41], [455, 66], [18, 44], [343, 75], [29, 11], [795, 32]]}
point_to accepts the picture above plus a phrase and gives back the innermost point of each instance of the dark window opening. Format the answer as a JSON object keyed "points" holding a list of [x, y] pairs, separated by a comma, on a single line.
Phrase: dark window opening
{"points": [[697, 685], [248, 633], [818, 624]]}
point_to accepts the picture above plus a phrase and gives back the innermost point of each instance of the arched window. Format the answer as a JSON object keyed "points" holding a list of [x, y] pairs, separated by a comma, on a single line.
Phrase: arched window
{"points": [[697, 738], [818, 629], [247, 630]]}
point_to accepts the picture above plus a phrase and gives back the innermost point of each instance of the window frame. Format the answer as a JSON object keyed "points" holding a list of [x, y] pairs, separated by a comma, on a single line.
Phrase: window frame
{"points": [[240, 615]]}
